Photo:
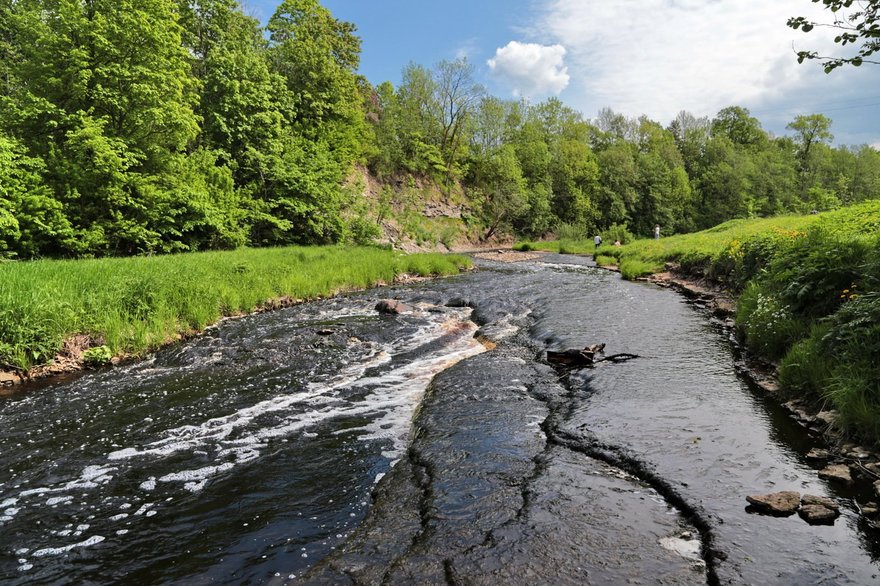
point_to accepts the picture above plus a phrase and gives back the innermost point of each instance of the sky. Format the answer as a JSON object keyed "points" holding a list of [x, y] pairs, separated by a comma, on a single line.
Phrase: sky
{"points": [[651, 57]]}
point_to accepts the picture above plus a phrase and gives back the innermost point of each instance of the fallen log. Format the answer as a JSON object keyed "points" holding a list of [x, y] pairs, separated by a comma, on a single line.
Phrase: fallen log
{"points": [[589, 356]]}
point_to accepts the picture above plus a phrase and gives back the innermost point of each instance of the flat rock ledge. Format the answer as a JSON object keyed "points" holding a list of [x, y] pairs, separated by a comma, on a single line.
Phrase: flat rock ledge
{"points": [[818, 510], [776, 503]]}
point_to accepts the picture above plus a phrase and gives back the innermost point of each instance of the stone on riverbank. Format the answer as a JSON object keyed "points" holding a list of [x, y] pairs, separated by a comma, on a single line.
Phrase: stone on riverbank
{"points": [[838, 472], [818, 454], [777, 503]]}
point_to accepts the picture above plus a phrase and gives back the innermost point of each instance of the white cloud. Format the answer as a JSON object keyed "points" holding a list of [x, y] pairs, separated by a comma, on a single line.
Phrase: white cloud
{"points": [[530, 69], [660, 56]]}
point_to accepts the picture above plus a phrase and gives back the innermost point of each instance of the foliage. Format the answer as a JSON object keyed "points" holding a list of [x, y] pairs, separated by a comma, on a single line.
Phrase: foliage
{"points": [[97, 356], [861, 25]]}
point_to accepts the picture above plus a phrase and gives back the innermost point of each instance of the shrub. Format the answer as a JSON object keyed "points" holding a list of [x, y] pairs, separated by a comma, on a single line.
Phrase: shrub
{"points": [[97, 356], [618, 232], [769, 325]]}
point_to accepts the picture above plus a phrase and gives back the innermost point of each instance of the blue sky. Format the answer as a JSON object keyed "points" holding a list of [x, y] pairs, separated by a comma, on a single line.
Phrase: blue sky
{"points": [[652, 57]]}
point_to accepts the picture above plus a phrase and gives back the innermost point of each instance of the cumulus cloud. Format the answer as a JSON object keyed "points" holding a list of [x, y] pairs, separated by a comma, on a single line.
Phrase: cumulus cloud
{"points": [[530, 69], [660, 56]]}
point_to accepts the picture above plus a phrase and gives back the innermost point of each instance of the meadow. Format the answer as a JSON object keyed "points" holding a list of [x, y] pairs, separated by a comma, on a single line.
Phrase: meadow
{"points": [[136, 304]]}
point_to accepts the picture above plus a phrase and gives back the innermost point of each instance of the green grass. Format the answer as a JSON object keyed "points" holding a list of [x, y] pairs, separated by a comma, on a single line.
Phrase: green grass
{"points": [[132, 305]]}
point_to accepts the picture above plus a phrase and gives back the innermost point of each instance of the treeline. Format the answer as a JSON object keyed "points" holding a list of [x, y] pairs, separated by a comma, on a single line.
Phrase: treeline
{"points": [[140, 126], [531, 167]]}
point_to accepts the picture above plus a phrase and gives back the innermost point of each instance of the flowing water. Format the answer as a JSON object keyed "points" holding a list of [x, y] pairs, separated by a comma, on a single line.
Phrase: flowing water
{"points": [[326, 443]]}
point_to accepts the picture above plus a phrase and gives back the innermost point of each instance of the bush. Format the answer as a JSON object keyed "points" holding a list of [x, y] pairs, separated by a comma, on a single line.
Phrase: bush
{"points": [[618, 232], [769, 325], [574, 232], [806, 368], [97, 356]]}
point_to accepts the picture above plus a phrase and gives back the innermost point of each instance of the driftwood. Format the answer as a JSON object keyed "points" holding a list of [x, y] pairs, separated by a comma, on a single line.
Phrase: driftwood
{"points": [[589, 356]]}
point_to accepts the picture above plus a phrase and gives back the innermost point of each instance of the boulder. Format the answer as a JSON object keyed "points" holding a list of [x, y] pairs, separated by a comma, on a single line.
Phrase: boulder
{"points": [[777, 503], [877, 487], [817, 514], [827, 417], [392, 307], [822, 501], [838, 472], [818, 454]]}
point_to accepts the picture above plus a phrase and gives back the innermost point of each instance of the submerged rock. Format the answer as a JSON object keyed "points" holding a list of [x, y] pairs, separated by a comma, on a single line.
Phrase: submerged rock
{"points": [[777, 503], [838, 472]]}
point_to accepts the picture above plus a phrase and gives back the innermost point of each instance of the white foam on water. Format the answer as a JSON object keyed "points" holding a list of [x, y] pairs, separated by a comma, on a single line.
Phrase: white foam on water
{"points": [[148, 485], [212, 431], [119, 517], [8, 503], [90, 477], [25, 567], [687, 548], [199, 474], [95, 539], [122, 532], [56, 500], [393, 398], [399, 392], [144, 508]]}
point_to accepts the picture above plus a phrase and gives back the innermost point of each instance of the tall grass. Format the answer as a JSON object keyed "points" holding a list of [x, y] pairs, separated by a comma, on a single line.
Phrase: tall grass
{"points": [[135, 304]]}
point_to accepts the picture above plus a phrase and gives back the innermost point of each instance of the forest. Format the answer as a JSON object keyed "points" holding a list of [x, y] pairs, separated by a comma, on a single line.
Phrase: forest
{"points": [[155, 126]]}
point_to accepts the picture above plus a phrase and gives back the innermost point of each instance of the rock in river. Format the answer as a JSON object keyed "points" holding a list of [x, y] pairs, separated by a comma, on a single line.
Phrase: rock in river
{"points": [[777, 503], [818, 514], [392, 307], [838, 472], [822, 501]]}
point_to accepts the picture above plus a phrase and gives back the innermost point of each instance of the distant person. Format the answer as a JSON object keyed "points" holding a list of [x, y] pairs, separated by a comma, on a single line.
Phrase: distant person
{"points": [[656, 231], [617, 243], [598, 241]]}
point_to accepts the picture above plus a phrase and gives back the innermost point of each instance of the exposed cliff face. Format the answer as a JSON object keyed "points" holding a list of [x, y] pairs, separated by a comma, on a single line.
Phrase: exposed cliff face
{"points": [[417, 214]]}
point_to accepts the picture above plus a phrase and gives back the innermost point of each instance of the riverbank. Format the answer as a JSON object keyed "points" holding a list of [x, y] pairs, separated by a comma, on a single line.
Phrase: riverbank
{"points": [[807, 296], [62, 315]]}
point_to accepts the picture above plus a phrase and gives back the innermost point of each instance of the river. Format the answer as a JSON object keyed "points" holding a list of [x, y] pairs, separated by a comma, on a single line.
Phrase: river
{"points": [[326, 443]]}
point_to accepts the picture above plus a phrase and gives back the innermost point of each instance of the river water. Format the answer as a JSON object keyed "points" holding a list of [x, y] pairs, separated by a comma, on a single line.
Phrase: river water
{"points": [[326, 443]]}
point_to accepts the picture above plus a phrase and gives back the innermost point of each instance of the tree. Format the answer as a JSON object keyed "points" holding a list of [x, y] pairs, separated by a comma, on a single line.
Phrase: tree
{"points": [[457, 97], [240, 98], [809, 131], [499, 186], [862, 25], [738, 125]]}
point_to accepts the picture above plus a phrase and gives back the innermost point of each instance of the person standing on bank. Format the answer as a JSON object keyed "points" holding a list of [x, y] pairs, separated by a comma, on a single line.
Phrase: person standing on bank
{"points": [[598, 241], [656, 231]]}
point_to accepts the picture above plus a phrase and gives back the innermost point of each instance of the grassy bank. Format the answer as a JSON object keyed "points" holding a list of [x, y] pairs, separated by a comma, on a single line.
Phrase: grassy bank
{"points": [[809, 298], [131, 305]]}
